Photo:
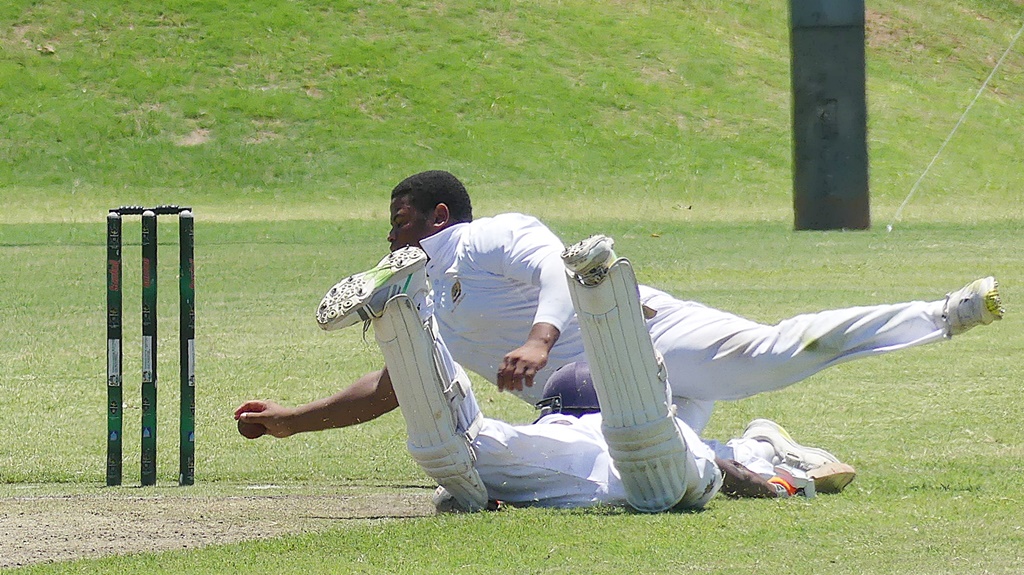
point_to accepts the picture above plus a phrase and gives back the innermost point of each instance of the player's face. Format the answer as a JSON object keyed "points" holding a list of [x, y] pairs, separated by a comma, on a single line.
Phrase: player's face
{"points": [[408, 225]]}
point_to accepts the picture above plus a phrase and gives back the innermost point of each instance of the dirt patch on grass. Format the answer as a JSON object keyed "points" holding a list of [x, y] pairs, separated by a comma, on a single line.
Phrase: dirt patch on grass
{"points": [[881, 30], [196, 137], [49, 528]]}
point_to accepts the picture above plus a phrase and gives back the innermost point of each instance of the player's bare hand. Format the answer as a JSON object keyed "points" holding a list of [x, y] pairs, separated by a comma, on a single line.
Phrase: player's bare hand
{"points": [[738, 481], [273, 418], [520, 366]]}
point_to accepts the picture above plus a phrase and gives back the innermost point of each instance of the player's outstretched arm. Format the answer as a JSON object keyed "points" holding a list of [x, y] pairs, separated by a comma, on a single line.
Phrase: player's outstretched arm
{"points": [[368, 398]]}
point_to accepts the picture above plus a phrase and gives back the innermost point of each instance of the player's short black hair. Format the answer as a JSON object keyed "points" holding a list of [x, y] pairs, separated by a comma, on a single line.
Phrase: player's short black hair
{"points": [[426, 190]]}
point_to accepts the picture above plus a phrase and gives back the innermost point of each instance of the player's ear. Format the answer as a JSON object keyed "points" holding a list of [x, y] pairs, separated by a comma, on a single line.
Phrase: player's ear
{"points": [[441, 216]]}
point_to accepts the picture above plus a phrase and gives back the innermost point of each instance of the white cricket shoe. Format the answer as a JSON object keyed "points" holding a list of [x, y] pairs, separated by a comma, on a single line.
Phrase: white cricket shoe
{"points": [[590, 259], [362, 296], [445, 502], [788, 451], [832, 477], [977, 303]]}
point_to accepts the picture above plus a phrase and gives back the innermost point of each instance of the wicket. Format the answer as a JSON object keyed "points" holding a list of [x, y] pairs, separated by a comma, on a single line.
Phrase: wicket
{"points": [[187, 320]]}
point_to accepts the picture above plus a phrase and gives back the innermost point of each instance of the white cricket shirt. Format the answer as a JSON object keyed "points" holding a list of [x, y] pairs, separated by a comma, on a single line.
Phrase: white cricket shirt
{"points": [[492, 280]]}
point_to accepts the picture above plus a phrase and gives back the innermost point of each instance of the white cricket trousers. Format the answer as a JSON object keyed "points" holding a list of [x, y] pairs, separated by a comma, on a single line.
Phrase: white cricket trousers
{"points": [[563, 461], [713, 355], [559, 461]]}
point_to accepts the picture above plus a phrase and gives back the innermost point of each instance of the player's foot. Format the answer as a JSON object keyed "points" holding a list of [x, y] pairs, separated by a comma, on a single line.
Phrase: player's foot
{"points": [[832, 477], [590, 259], [787, 451], [362, 296], [445, 502], [977, 303]]}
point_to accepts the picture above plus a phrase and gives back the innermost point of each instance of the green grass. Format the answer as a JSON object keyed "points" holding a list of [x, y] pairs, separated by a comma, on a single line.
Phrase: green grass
{"points": [[934, 432], [315, 104], [665, 125]]}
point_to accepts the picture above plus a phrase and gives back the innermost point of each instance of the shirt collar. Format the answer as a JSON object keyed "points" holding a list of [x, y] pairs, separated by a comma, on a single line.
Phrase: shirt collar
{"points": [[441, 248]]}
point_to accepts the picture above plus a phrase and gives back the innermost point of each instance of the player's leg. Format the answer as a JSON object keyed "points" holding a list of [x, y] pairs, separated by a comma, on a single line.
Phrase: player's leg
{"points": [[652, 450], [433, 393], [559, 461], [696, 413], [430, 398], [724, 356]]}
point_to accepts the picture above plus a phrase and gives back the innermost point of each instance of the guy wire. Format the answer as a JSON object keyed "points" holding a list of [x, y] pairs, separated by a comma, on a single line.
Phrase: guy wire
{"points": [[955, 128]]}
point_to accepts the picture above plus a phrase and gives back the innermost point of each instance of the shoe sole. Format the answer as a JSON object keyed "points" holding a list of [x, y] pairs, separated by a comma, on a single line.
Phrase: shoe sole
{"points": [[993, 303], [792, 453], [345, 304], [588, 256], [832, 478]]}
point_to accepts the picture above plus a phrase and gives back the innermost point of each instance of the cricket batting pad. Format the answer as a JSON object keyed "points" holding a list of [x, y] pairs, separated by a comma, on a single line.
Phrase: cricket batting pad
{"points": [[636, 404], [426, 402]]}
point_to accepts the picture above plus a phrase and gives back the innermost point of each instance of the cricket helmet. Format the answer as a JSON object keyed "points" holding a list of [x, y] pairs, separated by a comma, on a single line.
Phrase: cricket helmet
{"points": [[570, 390]]}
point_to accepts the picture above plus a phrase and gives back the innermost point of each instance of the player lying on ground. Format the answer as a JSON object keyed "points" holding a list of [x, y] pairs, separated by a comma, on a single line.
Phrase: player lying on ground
{"points": [[782, 463], [502, 305], [499, 281], [636, 452]]}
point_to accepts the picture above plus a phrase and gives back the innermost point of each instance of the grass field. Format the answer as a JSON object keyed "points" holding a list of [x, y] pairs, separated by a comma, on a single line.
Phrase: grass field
{"points": [[284, 125], [934, 432]]}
